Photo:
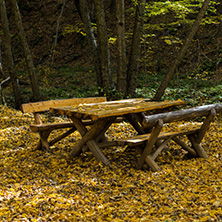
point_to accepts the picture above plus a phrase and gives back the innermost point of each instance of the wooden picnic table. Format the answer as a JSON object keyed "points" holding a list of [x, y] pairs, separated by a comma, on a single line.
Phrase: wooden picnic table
{"points": [[104, 114]]}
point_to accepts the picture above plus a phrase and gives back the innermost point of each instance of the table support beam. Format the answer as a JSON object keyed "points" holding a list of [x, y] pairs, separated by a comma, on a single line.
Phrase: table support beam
{"points": [[133, 121], [87, 138]]}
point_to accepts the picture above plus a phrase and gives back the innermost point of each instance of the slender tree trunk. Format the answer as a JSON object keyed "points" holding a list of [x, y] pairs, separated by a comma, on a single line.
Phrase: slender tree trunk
{"points": [[121, 47], [135, 48], [9, 58], [165, 82], [82, 8], [218, 38], [103, 45], [27, 53], [2, 74], [57, 30], [219, 30]]}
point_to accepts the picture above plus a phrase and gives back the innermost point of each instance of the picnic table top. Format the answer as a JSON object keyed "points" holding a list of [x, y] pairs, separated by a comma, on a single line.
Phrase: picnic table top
{"points": [[113, 108]]}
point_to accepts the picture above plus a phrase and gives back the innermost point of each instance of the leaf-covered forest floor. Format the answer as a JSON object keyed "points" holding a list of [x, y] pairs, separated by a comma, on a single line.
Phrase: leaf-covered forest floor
{"points": [[46, 186]]}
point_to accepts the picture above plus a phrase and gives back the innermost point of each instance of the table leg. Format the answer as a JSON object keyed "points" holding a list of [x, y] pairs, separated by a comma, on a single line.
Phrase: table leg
{"points": [[134, 122], [97, 152], [101, 135], [88, 139]]}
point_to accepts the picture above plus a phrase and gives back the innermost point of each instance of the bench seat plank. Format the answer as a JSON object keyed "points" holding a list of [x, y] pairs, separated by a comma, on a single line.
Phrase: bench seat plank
{"points": [[61, 125], [140, 139], [50, 126]]}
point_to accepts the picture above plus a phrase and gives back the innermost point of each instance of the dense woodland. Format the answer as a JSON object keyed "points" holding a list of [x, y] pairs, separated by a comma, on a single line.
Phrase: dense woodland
{"points": [[143, 45]]}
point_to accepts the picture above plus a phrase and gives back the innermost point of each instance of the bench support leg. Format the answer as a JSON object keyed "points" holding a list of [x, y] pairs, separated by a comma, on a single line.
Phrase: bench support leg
{"points": [[198, 148], [160, 148], [150, 143], [43, 142], [44, 135], [151, 163], [39, 145], [196, 140], [205, 126], [185, 146], [62, 136]]}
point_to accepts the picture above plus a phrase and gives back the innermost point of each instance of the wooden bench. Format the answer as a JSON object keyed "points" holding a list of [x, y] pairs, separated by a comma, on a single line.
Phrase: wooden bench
{"points": [[44, 129], [155, 141]]}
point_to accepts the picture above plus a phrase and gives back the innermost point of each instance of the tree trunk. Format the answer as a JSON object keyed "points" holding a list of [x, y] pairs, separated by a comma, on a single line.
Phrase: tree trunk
{"points": [[103, 45], [218, 34], [57, 30], [135, 48], [2, 74], [121, 47], [9, 58], [82, 8], [27, 53], [219, 31], [219, 12], [177, 61], [218, 37]]}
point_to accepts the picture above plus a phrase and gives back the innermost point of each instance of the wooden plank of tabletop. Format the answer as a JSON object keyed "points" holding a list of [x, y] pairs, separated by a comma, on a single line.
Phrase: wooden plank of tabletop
{"points": [[102, 110], [45, 105], [64, 109]]}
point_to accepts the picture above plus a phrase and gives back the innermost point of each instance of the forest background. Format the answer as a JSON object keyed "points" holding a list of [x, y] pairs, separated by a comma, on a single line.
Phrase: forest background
{"points": [[63, 62]]}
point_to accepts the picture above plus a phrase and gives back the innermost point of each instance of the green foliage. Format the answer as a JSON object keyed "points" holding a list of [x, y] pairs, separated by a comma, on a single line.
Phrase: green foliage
{"points": [[77, 28], [68, 83], [180, 9], [172, 40], [157, 8], [172, 15], [195, 90]]}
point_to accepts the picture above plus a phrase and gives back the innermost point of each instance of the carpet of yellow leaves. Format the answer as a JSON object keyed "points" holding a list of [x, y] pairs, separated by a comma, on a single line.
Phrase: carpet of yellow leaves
{"points": [[46, 186]]}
